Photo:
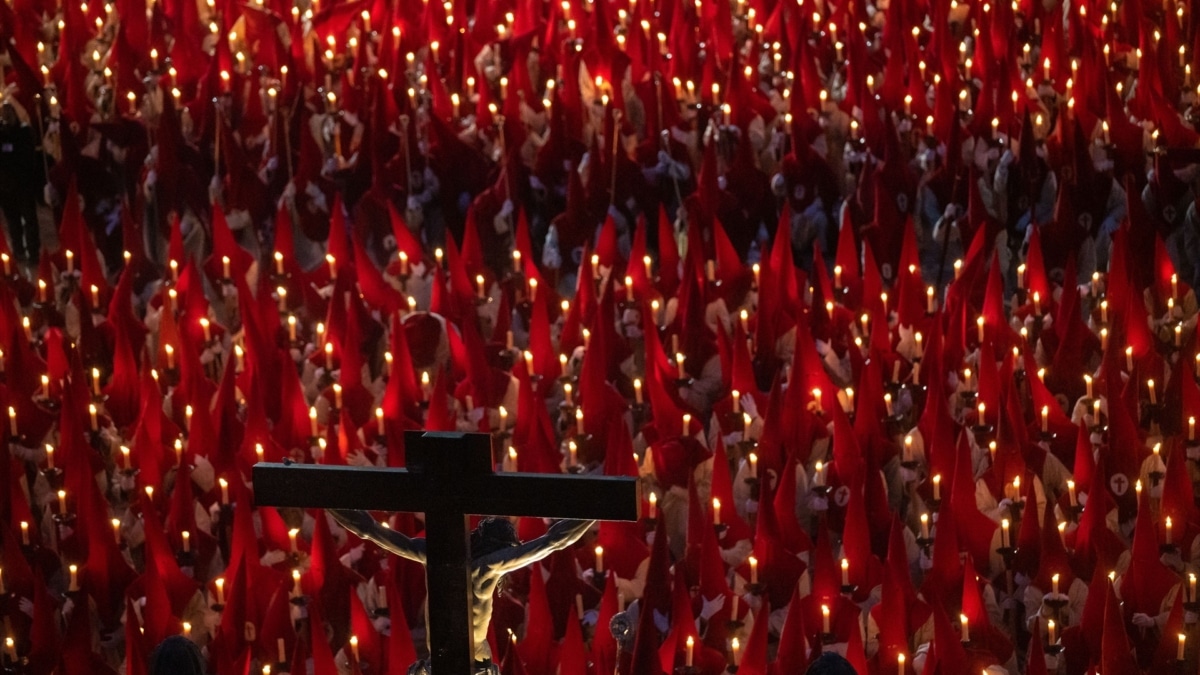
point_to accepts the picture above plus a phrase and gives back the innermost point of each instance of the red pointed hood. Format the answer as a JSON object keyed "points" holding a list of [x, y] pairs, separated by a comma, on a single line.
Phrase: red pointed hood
{"points": [[1116, 655]]}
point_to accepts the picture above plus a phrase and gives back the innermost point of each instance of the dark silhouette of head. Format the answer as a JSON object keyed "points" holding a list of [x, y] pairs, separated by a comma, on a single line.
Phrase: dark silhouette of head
{"points": [[176, 655], [491, 535], [830, 663]]}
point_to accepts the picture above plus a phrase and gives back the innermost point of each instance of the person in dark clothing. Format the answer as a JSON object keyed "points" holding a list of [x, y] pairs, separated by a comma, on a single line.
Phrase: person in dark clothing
{"points": [[830, 663], [176, 655], [19, 176]]}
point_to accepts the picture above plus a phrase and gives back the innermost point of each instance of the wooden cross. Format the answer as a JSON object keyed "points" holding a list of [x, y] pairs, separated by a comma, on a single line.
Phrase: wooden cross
{"points": [[449, 477]]}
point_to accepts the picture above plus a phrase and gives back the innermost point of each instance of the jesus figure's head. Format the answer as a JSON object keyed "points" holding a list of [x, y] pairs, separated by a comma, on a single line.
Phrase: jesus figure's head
{"points": [[491, 535]]}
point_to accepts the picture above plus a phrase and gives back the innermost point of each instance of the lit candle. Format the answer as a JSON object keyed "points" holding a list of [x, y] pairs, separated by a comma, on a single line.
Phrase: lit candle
{"points": [[966, 627], [25, 542], [125, 457], [982, 413], [292, 534], [1129, 359], [70, 255], [187, 541], [354, 646], [979, 324], [753, 570], [1054, 584], [1150, 388], [753, 461], [12, 421], [1051, 632], [937, 487], [225, 264], [825, 619], [295, 583], [599, 560], [480, 288], [1071, 492], [1037, 303], [816, 392], [332, 262], [1169, 537], [1087, 381], [1004, 533], [691, 649], [845, 572], [1182, 645], [637, 391], [1045, 418], [925, 526], [1021, 276], [735, 647], [716, 504], [278, 263], [62, 502], [74, 570], [654, 505], [680, 366]]}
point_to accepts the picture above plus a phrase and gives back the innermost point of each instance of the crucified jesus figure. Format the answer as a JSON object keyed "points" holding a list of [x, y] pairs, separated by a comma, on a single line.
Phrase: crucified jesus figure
{"points": [[495, 551]]}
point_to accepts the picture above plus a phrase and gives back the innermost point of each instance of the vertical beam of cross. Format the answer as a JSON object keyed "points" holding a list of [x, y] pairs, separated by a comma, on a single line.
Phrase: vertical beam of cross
{"points": [[449, 594]]}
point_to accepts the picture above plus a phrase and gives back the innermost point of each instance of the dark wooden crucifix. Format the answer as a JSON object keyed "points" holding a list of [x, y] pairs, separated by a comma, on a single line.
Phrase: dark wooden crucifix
{"points": [[448, 477]]}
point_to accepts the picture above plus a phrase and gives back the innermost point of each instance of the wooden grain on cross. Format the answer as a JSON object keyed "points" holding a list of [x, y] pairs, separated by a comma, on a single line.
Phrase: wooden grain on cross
{"points": [[448, 477]]}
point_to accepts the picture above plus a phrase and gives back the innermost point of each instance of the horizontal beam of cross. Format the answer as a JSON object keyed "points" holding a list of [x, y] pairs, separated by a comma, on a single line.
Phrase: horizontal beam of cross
{"points": [[503, 494]]}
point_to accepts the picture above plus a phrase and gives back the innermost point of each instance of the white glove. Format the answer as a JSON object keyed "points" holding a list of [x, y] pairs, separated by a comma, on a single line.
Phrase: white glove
{"points": [[709, 608], [749, 406], [383, 625], [1143, 620]]}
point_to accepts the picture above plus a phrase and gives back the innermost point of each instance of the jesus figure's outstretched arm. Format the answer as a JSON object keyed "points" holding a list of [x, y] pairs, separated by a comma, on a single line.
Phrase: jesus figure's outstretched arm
{"points": [[560, 536], [362, 524]]}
